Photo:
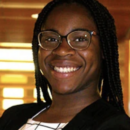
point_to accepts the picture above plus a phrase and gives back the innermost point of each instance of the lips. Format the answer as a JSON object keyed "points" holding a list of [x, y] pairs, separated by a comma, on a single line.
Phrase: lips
{"points": [[64, 66], [65, 69]]}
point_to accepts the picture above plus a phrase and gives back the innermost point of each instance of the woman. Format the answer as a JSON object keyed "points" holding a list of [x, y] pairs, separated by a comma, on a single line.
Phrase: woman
{"points": [[75, 55]]}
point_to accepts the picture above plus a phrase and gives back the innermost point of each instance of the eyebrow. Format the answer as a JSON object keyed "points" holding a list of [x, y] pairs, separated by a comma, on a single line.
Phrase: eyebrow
{"points": [[50, 30], [77, 29]]}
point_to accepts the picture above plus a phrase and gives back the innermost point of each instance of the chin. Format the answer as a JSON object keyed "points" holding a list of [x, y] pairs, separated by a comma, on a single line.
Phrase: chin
{"points": [[63, 90]]}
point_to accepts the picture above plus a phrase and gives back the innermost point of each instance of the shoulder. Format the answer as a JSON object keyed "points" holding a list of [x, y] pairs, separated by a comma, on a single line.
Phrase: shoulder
{"points": [[24, 108], [19, 114], [116, 122], [100, 115], [109, 118]]}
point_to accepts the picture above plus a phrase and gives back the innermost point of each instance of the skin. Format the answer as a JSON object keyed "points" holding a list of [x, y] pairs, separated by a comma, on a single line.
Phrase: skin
{"points": [[73, 91]]}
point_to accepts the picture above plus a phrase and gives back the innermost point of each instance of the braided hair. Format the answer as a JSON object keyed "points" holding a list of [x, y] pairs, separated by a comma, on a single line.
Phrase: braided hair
{"points": [[111, 89]]}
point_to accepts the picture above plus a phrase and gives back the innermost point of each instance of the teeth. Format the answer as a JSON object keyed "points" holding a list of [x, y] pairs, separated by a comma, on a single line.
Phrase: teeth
{"points": [[65, 69]]}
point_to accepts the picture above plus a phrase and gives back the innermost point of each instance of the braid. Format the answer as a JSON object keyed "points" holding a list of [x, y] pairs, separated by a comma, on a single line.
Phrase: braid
{"points": [[41, 81], [111, 90]]}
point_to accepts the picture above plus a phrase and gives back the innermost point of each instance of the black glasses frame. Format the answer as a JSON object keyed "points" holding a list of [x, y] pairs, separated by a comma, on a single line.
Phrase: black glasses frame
{"points": [[66, 37]]}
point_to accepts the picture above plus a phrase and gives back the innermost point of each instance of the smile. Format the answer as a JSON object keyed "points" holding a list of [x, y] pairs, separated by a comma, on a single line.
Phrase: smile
{"points": [[65, 69]]}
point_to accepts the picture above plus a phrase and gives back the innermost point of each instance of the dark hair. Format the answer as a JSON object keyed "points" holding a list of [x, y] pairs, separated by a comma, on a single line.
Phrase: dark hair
{"points": [[111, 89]]}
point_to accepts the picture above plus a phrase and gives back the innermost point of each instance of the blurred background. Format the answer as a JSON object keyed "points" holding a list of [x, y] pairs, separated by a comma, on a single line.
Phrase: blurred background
{"points": [[17, 19]]}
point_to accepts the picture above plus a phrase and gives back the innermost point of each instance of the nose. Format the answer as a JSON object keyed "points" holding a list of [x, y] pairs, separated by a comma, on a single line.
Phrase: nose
{"points": [[64, 49]]}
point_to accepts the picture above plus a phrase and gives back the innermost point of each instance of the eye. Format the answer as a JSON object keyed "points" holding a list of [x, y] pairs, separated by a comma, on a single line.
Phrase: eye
{"points": [[81, 39], [51, 39]]}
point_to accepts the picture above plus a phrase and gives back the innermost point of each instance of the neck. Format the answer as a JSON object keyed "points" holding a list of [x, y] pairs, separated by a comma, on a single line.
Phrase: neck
{"points": [[74, 102], [64, 107]]}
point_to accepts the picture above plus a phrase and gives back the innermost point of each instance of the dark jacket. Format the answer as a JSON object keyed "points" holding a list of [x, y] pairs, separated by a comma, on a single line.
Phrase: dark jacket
{"points": [[98, 116]]}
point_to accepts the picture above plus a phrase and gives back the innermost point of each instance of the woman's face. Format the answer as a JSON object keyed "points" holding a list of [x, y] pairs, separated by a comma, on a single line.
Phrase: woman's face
{"points": [[85, 65]]}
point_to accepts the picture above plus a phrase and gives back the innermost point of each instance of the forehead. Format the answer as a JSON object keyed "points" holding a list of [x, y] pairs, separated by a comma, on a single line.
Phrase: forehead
{"points": [[69, 16]]}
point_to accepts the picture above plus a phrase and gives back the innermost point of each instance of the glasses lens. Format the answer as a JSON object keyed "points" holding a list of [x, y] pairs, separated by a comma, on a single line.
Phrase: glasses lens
{"points": [[79, 39], [48, 40]]}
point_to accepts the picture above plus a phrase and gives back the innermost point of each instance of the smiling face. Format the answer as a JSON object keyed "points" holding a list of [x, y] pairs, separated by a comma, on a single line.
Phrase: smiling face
{"points": [[68, 70]]}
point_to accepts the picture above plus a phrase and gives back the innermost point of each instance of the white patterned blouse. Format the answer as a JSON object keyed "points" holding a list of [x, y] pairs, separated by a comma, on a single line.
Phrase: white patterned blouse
{"points": [[36, 125]]}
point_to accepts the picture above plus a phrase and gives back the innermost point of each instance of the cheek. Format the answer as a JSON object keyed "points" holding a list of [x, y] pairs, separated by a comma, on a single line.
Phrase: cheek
{"points": [[95, 50], [92, 56], [95, 61]]}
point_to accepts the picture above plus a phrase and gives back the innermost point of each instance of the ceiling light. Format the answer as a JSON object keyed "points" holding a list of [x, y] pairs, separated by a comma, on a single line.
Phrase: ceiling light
{"points": [[12, 44], [13, 92], [16, 66], [11, 102], [16, 55], [14, 79], [35, 16]]}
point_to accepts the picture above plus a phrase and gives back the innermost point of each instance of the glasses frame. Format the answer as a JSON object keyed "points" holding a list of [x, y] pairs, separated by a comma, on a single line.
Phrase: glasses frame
{"points": [[66, 37]]}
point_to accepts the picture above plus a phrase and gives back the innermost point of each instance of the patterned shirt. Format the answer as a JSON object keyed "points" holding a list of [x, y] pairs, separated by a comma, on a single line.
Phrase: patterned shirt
{"points": [[36, 125]]}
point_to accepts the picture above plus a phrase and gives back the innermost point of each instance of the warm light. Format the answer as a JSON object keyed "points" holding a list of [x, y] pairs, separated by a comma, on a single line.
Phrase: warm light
{"points": [[32, 5], [49, 92], [35, 93], [13, 92], [12, 44], [16, 54], [129, 79], [35, 16], [14, 78], [16, 66], [11, 102], [41, 94]]}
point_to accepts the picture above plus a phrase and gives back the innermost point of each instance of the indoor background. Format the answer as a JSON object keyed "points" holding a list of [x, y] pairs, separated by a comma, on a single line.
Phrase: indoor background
{"points": [[17, 18]]}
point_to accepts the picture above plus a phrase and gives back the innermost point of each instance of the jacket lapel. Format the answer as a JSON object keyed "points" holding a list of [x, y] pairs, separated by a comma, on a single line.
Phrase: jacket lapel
{"points": [[84, 120]]}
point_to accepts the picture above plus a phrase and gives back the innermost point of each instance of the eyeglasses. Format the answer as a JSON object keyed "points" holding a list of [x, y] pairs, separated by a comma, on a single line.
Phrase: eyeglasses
{"points": [[78, 39]]}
